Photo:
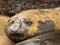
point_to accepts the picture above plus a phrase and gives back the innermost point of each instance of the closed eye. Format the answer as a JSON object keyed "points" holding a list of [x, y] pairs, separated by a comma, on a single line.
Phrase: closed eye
{"points": [[12, 21], [9, 20]]}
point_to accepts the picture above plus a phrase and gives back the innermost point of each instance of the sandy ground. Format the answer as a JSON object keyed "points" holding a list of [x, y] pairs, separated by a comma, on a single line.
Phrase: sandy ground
{"points": [[11, 7]]}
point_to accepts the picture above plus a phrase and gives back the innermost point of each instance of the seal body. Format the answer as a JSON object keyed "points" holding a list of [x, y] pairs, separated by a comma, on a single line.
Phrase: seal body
{"points": [[4, 39], [31, 23]]}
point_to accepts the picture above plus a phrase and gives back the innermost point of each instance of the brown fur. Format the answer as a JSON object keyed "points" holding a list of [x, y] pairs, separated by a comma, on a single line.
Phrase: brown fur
{"points": [[43, 21], [4, 40]]}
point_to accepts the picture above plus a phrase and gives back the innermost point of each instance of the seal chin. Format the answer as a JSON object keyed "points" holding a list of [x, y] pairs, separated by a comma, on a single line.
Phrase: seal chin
{"points": [[17, 37]]}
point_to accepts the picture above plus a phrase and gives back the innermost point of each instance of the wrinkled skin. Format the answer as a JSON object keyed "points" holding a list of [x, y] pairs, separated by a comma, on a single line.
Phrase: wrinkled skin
{"points": [[31, 23]]}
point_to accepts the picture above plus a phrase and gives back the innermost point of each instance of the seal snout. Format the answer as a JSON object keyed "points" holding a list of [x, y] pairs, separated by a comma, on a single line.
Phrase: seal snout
{"points": [[17, 29]]}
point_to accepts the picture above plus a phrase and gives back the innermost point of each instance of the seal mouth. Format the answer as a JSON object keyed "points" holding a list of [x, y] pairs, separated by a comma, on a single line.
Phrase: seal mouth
{"points": [[21, 32], [16, 34]]}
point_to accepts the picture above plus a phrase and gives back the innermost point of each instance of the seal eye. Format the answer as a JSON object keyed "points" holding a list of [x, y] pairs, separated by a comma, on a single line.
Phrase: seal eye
{"points": [[12, 22], [9, 20], [28, 22]]}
